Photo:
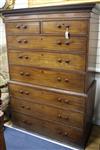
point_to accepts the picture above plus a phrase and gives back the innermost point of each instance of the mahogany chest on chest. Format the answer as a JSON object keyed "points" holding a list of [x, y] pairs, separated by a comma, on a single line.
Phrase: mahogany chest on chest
{"points": [[52, 57]]}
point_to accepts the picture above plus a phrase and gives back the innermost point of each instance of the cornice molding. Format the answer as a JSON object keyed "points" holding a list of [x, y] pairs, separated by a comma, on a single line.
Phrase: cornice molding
{"points": [[50, 9]]}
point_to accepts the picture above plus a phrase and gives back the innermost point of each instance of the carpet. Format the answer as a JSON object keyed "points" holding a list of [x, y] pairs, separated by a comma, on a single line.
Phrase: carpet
{"points": [[17, 140]]}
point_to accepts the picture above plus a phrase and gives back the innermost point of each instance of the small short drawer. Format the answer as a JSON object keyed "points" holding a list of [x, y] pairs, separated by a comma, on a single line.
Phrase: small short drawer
{"points": [[48, 129], [22, 27], [64, 101], [48, 60], [59, 27], [49, 78], [52, 43]]}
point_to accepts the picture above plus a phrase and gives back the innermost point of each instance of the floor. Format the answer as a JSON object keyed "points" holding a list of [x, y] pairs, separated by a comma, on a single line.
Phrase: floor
{"points": [[94, 140]]}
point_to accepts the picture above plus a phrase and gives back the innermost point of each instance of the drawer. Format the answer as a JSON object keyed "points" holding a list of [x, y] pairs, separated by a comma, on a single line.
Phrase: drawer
{"points": [[22, 28], [49, 129], [62, 80], [54, 114], [48, 60], [47, 43], [59, 27], [64, 101]]}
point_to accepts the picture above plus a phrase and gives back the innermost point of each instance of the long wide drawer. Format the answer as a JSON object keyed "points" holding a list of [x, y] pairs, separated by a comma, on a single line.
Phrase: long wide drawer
{"points": [[47, 43], [79, 27], [22, 27], [48, 60], [49, 78], [49, 129], [65, 101], [55, 114]]}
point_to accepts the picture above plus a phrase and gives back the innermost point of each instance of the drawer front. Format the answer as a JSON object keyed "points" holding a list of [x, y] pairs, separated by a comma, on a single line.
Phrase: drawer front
{"points": [[49, 129], [48, 60], [59, 27], [55, 79], [64, 101], [47, 43], [67, 117], [22, 28]]}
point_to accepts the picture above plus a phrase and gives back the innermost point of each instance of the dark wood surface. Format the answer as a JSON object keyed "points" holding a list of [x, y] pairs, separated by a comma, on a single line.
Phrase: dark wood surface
{"points": [[47, 43], [49, 78], [48, 60], [77, 7], [52, 85], [41, 96], [61, 132], [64, 116]]}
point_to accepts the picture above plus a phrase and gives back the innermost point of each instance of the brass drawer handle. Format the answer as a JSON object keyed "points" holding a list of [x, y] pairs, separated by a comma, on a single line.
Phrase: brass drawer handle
{"points": [[27, 74], [59, 79], [26, 57], [59, 99], [21, 92], [28, 108], [66, 134], [67, 26], [18, 26], [27, 93], [24, 26], [67, 61], [24, 92], [42, 71], [27, 122], [25, 41], [61, 117], [66, 80], [20, 57], [21, 26], [59, 60], [19, 41], [59, 26], [59, 42], [66, 118], [66, 101], [67, 43], [21, 73]]}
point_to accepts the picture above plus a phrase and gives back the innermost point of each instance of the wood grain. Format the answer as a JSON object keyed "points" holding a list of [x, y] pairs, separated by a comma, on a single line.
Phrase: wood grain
{"points": [[22, 27], [48, 60], [50, 43], [49, 78], [65, 101]]}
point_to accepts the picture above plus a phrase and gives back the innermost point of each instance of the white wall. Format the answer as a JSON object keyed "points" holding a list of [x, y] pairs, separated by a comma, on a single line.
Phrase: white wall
{"points": [[21, 4], [97, 99]]}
